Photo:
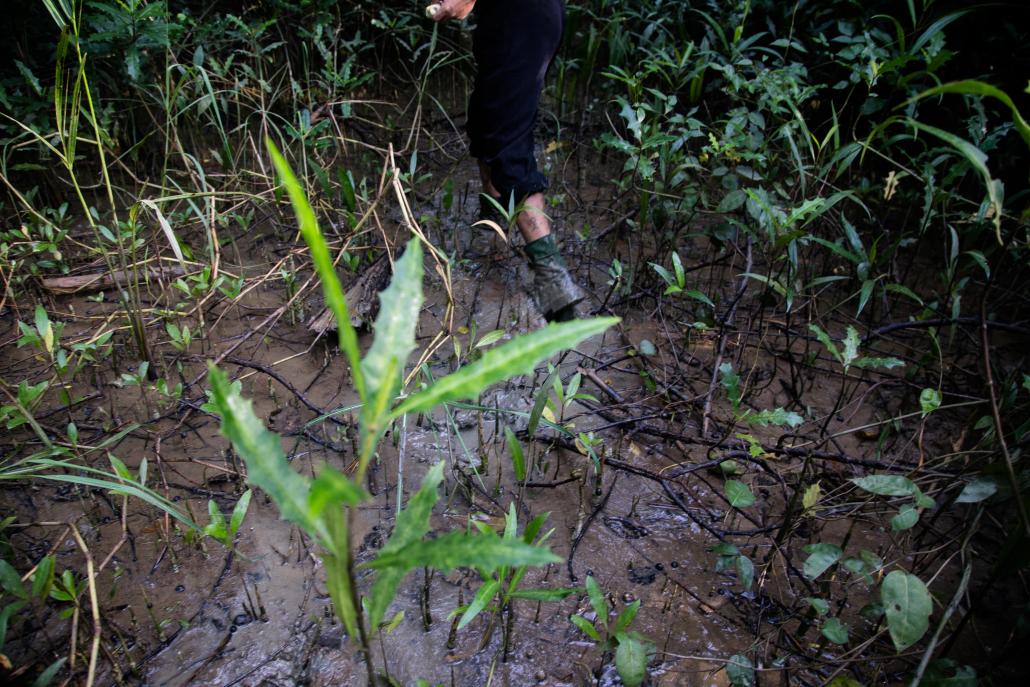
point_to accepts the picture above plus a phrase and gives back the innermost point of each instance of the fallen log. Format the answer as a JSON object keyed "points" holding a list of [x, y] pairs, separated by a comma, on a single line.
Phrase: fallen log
{"points": [[103, 280]]}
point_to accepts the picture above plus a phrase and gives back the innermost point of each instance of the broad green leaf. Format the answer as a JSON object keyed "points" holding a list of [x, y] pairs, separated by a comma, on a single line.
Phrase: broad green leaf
{"points": [[631, 661], [395, 326], [826, 341], [886, 485], [267, 467], [740, 671], [929, 400], [699, 296], [485, 595], [586, 627], [777, 416], [518, 460], [820, 558], [907, 605], [626, 617], [835, 631], [731, 383], [516, 357], [412, 525], [597, 600], [461, 550], [820, 606], [738, 494], [907, 517], [333, 488], [331, 287], [980, 489], [745, 572]]}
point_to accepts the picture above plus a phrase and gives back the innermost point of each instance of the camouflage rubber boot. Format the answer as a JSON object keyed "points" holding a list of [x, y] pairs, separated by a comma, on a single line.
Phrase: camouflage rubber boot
{"points": [[554, 288]]}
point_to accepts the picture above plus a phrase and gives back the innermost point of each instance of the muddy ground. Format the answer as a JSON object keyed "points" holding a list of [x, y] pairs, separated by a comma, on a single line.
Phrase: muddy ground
{"points": [[179, 612]]}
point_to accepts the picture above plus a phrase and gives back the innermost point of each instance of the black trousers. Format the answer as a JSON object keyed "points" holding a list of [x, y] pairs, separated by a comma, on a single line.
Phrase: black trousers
{"points": [[514, 43]]}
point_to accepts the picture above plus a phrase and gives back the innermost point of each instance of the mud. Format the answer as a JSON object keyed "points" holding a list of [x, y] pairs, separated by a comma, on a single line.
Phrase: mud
{"points": [[178, 612]]}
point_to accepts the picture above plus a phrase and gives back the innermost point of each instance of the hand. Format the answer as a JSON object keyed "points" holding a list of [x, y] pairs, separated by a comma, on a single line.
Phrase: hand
{"points": [[450, 9]]}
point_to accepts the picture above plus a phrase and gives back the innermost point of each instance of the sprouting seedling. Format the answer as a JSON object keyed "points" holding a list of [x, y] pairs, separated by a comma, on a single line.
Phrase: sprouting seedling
{"points": [[632, 649], [323, 507], [730, 381], [217, 529], [676, 281]]}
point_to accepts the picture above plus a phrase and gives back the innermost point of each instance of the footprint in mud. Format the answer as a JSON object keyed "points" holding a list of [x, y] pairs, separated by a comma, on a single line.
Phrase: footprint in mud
{"points": [[627, 529]]}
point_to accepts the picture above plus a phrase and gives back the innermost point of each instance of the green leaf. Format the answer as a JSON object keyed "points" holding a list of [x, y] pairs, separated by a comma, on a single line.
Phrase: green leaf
{"points": [[820, 606], [518, 460], [745, 572], [811, 496], [333, 488], [597, 600], [886, 363], [820, 558], [980, 489], [490, 338], [908, 606], [334, 297], [43, 578], [777, 416], [851, 342], [261, 450], [395, 326], [216, 528], [631, 662], [5, 618], [740, 671], [907, 517], [48, 675], [738, 494], [239, 511], [974, 87], [556, 594], [412, 525], [485, 595], [886, 485], [461, 550], [929, 400], [586, 627], [731, 383], [516, 357], [10, 580], [626, 617], [835, 631], [978, 159], [826, 341]]}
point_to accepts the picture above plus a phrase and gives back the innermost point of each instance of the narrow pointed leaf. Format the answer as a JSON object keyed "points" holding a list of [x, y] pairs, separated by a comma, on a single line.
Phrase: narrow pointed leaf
{"points": [[516, 357]]}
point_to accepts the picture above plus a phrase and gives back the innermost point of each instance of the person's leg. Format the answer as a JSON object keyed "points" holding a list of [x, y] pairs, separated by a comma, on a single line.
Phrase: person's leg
{"points": [[514, 45]]}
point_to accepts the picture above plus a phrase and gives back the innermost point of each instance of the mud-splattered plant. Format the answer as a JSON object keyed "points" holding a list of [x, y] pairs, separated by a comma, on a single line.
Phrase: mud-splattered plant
{"points": [[324, 507]]}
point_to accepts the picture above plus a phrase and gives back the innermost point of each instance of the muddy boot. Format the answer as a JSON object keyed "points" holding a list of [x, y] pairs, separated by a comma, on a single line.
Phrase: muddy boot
{"points": [[556, 292]]}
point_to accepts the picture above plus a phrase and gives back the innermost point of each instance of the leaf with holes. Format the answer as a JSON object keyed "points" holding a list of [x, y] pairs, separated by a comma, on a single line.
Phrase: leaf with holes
{"points": [[907, 604]]}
